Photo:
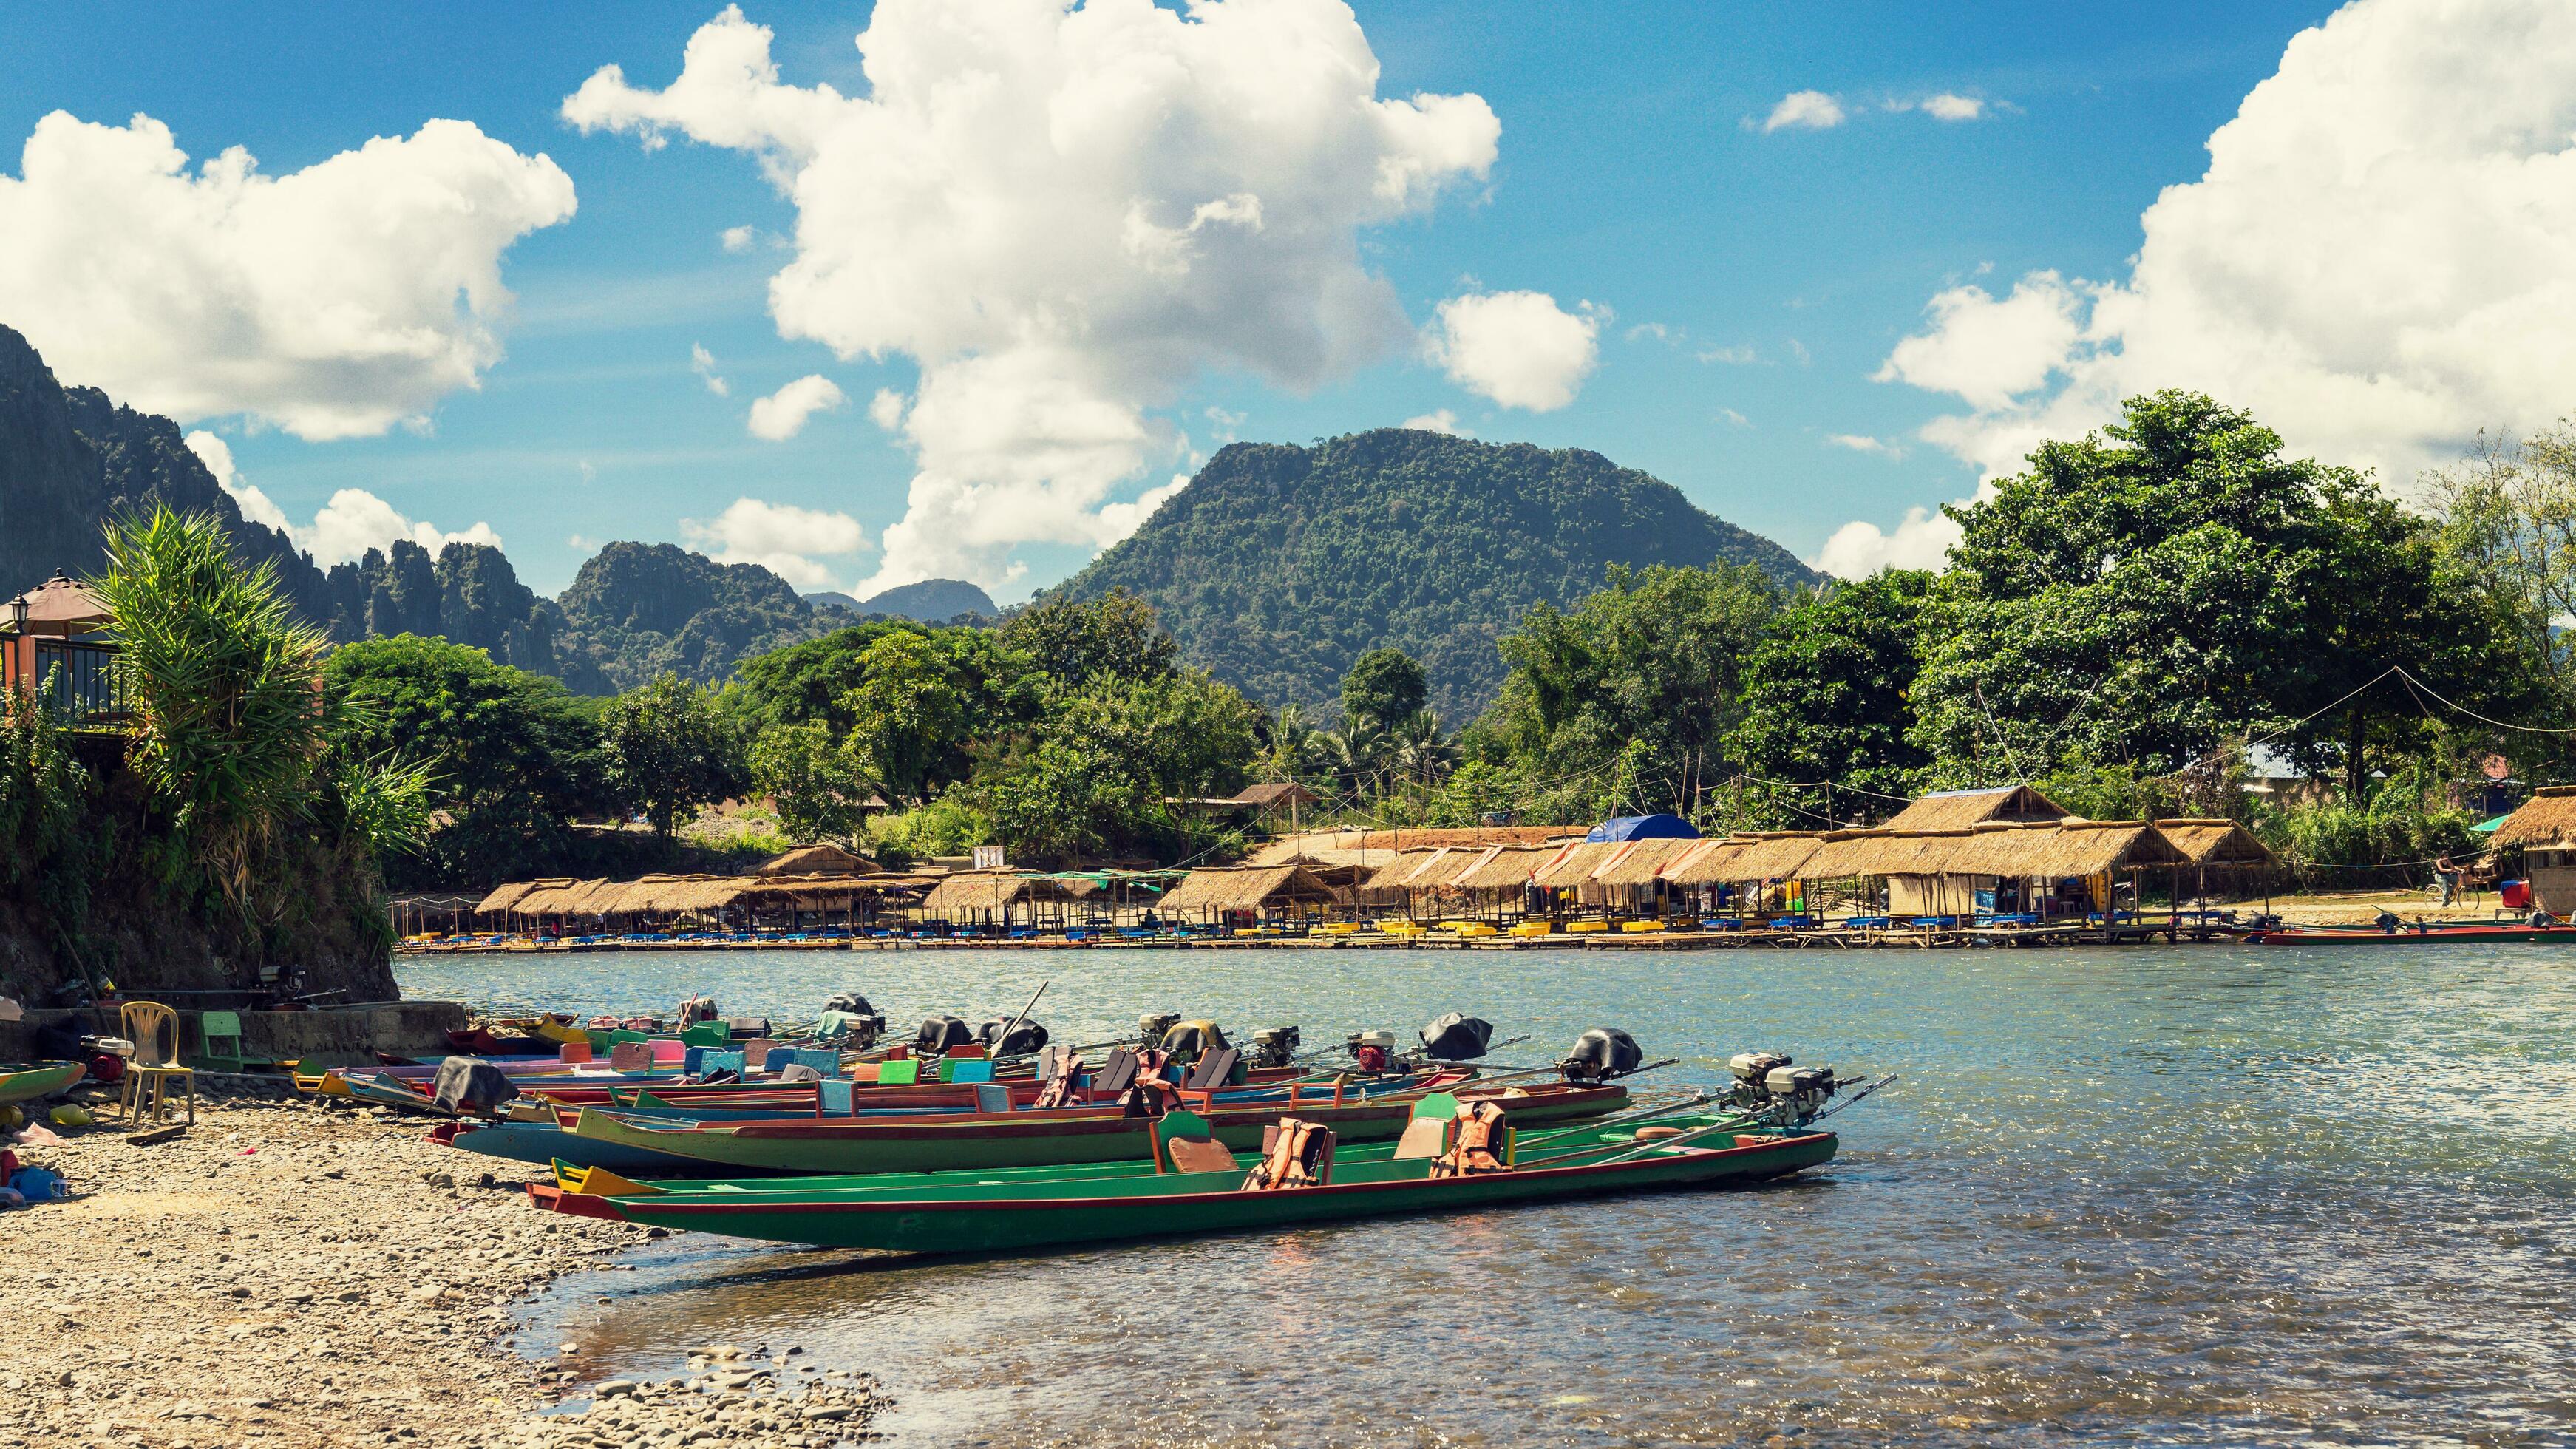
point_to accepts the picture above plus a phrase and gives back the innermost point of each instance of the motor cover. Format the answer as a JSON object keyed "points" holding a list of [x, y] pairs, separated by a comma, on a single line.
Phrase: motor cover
{"points": [[941, 1033], [852, 1003], [1151, 1026], [470, 1084], [1752, 1067], [1790, 1081], [1187, 1041], [1024, 1037], [1274, 1046], [1604, 1051], [1457, 1037]]}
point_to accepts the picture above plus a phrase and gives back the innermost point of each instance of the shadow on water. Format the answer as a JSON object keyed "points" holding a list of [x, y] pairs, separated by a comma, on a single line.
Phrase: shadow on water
{"points": [[2197, 1196]]}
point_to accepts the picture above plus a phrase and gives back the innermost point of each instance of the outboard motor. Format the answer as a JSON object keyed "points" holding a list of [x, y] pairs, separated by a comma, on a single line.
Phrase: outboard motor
{"points": [[1457, 1038], [1275, 1046], [1771, 1084], [1025, 1036], [1600, 1054], [866, 1022], [941, 1033], [1373, 1050], [471, 1084], [697, 1009], [1151, 1026], [1185, 1042]]}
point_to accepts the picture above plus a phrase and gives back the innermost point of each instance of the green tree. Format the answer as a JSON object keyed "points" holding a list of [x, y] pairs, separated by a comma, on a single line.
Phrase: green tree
{"points": [[907, 713], [1634, 691], [670, 751], [1828, 692], [511, 756], [1094, 776], [820, 789], [1383, 687], [1115, 634]]}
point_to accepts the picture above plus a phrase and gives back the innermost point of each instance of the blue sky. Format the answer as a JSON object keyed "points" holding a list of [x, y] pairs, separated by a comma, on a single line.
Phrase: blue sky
{"points": [[1745, 284]]}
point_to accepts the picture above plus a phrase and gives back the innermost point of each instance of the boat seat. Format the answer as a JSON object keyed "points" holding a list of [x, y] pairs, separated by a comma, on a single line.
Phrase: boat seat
{"points": [[1423, 1137], [1293, 1154], [1200, 1154], [221, 1034], [898, 1074], [1212, 1070], [1116, 1074], [631, 1056], [953, 1070]]}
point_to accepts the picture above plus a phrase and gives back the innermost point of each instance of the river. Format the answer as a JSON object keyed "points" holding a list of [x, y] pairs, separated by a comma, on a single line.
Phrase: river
{"points": [[2199, 1195]]}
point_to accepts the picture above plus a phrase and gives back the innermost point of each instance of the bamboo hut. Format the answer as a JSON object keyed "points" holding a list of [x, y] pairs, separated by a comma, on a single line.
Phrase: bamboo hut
{"points": [[504, 897], [1497, 883], [1230, 894], [1633, 879], [991, 898], [821, 859], [2545, 829], [1961, 809], [2220, 846], [2031, 862], [1412, 879]]}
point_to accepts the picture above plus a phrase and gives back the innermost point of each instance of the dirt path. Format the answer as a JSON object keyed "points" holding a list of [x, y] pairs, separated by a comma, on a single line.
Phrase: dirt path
{"points": [[285, 1275]]}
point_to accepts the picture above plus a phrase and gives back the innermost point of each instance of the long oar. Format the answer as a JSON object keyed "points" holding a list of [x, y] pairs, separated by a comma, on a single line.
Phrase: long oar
{"points": [[1024, 1014]]}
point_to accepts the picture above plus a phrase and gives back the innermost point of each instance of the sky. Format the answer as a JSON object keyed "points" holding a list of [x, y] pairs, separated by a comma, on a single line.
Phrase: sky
{"points": [[872, 293]]}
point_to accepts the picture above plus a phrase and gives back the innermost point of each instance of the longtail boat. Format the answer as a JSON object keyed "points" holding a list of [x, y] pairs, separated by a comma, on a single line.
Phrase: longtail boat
{"points": [[2431, 934], [968, 1212], [1036, 1138], [25, 1084]]}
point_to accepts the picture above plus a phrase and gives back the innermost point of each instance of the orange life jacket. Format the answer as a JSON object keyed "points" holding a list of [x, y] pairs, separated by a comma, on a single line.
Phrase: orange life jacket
{"points": [[1301, 1155], [1479, 1145], [1057, 1090], [1151, 1094]]}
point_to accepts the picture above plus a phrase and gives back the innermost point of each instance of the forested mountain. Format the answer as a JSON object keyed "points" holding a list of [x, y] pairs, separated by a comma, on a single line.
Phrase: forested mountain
{"points": [[1279, 565], [640, 610], [932, 601]]}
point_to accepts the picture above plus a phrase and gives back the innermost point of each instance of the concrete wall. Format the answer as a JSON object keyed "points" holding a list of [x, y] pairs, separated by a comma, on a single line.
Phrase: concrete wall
{"points": [[335, 1037]]}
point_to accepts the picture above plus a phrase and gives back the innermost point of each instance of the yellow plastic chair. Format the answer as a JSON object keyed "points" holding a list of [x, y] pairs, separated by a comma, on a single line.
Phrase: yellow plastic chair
{"points": [[154, 1030]]}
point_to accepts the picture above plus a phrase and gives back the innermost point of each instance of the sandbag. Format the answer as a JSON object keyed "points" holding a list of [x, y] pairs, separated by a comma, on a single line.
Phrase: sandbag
{"points": [[1604, 1051], [470, 1084], [941, 1033], [1024, 1038], [1457, 1037]]}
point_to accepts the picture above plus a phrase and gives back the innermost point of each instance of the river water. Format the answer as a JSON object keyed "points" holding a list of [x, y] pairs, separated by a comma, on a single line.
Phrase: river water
{"points": [[2198, 1195]]}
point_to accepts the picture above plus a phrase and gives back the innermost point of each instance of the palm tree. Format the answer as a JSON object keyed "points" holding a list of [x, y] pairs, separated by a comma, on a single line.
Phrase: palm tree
{"points": [[1417, 749], [1357, 752]]}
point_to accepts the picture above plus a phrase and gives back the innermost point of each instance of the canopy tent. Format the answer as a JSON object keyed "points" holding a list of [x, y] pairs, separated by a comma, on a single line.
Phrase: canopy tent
{"points": [[1644, 827]]}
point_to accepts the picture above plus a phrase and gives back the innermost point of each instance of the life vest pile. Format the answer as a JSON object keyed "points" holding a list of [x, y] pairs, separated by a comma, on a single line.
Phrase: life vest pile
{"points": [[1063, 1074], [1482, 1139], [1300, 1154], [1152, 1093]]}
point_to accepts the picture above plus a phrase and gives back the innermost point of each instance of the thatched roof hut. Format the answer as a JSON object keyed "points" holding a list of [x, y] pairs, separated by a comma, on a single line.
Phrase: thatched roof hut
{"points": [[2215, 842], [1847, 853], [507, 897], [1245, 888], [1773, 855], [989, 893], [558, 898], [1502, 868], [2061, 850], [821, 859], [1575, 864], [1416, 870], [2546, 821], [1642, 863], [1960, 809]]}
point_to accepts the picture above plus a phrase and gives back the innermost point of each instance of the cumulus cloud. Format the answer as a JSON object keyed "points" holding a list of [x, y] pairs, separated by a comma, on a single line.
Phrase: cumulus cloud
{"points": [[1861, 443], [703, 363], [886, 409], [256, 506], [1519, 348], [1063, 216], [1949, 107], [1739, 355], [737, 238], [2368, 265], [788, 541], [336, 301], [1805, 111], [1442, 421], [1858, 549], [783, 413], [346, 527]]}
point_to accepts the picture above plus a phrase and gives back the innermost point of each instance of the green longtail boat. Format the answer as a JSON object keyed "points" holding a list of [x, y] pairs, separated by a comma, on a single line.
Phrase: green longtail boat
{"points": [[1013, 1210], [828, 1146]]}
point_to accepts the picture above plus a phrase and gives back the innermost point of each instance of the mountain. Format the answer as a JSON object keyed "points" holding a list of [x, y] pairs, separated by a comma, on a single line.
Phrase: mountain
{"points": [[469, 594], [639, 610], [932, 601], [1279, 565], [70, 460]]}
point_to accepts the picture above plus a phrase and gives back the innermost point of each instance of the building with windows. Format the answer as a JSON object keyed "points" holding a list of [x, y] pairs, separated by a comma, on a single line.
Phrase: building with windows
{"points": [[56, 638]]}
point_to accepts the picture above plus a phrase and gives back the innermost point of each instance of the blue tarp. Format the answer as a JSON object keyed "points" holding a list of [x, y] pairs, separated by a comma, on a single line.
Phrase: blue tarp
{"points": [[1644, 827]]}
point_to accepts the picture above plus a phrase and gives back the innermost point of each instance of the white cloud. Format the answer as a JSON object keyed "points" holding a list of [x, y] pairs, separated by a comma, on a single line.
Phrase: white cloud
{"points": [[886, 409], [1988, 351], [782, 414], [1443, 421], [1519, 348], [1857, 550], [788, 541], [346, 527], [2369, 265], [703, 363], [356, 520], [256, 506], [1733, 418], [737, 238], [1806, 111], [1860, 443], [1949, 107], [1063, 216], [1740, 355], [336, 301]]}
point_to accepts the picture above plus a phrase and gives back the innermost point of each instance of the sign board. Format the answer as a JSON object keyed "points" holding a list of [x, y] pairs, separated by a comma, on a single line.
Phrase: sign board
{"points": [[988, 857]]}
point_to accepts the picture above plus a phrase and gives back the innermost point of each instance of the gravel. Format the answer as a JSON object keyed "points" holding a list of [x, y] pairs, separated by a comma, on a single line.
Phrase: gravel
{"points": [[288, 1274]]}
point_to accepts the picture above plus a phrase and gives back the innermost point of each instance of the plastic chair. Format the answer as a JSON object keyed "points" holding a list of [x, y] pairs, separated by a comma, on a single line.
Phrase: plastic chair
{"points": [[154, 1030], [215, 1027]]}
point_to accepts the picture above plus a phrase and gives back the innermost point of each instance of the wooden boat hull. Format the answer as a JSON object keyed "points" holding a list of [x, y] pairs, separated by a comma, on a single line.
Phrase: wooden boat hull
{"points": [[903, 1217], [838, 1146], [2439, 936], [26, 1084], [538, 1144]]}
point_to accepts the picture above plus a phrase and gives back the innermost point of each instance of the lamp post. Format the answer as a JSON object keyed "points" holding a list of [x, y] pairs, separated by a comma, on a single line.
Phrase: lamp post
{"points": [[18, 608]]}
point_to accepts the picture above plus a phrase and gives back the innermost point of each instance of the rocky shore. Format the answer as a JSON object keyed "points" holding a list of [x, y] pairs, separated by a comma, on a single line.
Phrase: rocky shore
{"points": [[288, 1274]]}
